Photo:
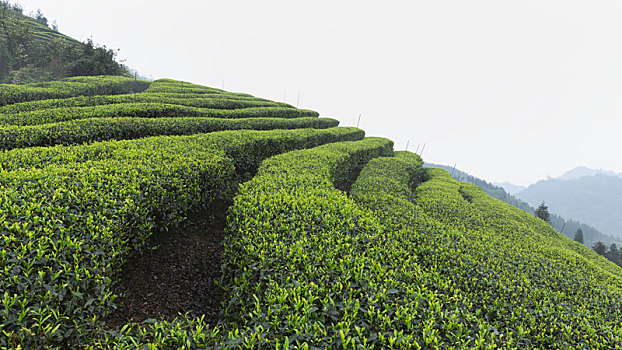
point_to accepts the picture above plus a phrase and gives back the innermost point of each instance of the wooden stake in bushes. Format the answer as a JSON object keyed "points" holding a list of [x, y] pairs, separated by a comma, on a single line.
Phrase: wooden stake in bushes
{"points": [[298, 101], [407, 142], [359, 121], [452, 170], [422, 150], [417, 150]]}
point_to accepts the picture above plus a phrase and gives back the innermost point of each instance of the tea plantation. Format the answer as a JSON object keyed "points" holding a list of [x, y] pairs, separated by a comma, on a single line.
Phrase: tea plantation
{"points": [[332, 240]]}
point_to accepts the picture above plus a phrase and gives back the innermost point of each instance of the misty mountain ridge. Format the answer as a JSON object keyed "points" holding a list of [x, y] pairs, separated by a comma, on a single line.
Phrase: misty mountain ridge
{"points": [[595, 198], [582, 171], [510, 187], [572, 174], [568, 227]]}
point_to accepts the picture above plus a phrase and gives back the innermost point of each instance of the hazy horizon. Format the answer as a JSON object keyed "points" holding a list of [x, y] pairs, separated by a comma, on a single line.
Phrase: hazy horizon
{"points": [[509, 91]]}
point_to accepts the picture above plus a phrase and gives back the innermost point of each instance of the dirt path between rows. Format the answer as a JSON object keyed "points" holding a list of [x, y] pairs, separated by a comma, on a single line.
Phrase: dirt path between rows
{"points": [[177, 277]]}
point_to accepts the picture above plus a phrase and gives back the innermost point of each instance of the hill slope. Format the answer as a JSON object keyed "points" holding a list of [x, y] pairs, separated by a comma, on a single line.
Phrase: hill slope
{"points": [[30, 51], [332, 240]]}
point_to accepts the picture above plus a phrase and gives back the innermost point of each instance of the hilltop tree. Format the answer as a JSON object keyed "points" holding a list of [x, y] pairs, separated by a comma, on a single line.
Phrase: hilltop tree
{"points": [[95, 60], [40, 18], [579, 236], [600, 248], [543, 213]]}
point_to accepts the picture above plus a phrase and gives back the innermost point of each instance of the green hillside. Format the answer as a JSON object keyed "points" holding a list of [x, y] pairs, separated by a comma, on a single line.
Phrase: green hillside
{"points": [[122, 200], [33, 50]]}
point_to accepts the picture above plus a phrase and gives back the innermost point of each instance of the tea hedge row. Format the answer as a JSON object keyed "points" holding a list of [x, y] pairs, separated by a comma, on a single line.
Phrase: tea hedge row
{"points": [[223, 95], [146, 110], [283, 224], [102, 129], [75, 86], [475, 272], [311, 268], [40, 157], [180, 89], [215, 102], [169, 85], [289, 248], [68, 221]]}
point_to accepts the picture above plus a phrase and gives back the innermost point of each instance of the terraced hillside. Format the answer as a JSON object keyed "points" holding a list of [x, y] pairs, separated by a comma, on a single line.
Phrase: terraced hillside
{"points": [[13, 19], [33, 50], [331, 239]]}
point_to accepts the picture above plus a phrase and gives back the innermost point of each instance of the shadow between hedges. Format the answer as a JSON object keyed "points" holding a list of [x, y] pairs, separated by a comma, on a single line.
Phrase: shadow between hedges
{"points": [[175, 273]]}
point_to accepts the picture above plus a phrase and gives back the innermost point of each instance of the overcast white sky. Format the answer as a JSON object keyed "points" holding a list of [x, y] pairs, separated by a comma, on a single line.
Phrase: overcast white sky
{"points": [[509, 90]]}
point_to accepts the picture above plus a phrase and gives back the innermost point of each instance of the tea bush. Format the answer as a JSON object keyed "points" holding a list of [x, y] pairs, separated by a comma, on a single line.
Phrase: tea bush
{"points": [[101, 129], [146, 110], [296, 249], [336, 242], [68, 87], [169, 85], [70, 214], [489, 275], [215, 102]]}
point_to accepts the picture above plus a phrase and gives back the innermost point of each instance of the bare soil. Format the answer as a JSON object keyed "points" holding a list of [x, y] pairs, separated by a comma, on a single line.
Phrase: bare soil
{"points": [[178, 276]]}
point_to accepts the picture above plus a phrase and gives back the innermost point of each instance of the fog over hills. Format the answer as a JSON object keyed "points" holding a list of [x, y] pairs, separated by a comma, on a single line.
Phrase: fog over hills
{"points": [[565, 224], [509, 187], [589, 195], [582, 171]]}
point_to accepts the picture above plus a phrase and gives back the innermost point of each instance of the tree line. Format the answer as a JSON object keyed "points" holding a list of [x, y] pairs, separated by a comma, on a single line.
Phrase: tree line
{"points": [[612, 253]]}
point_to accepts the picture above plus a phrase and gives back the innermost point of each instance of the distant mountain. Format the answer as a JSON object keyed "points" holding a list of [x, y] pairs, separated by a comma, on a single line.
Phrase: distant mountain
{"points": [[568, 227], [596, 199], [582, 171], [32, 50], [510, 188]]}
